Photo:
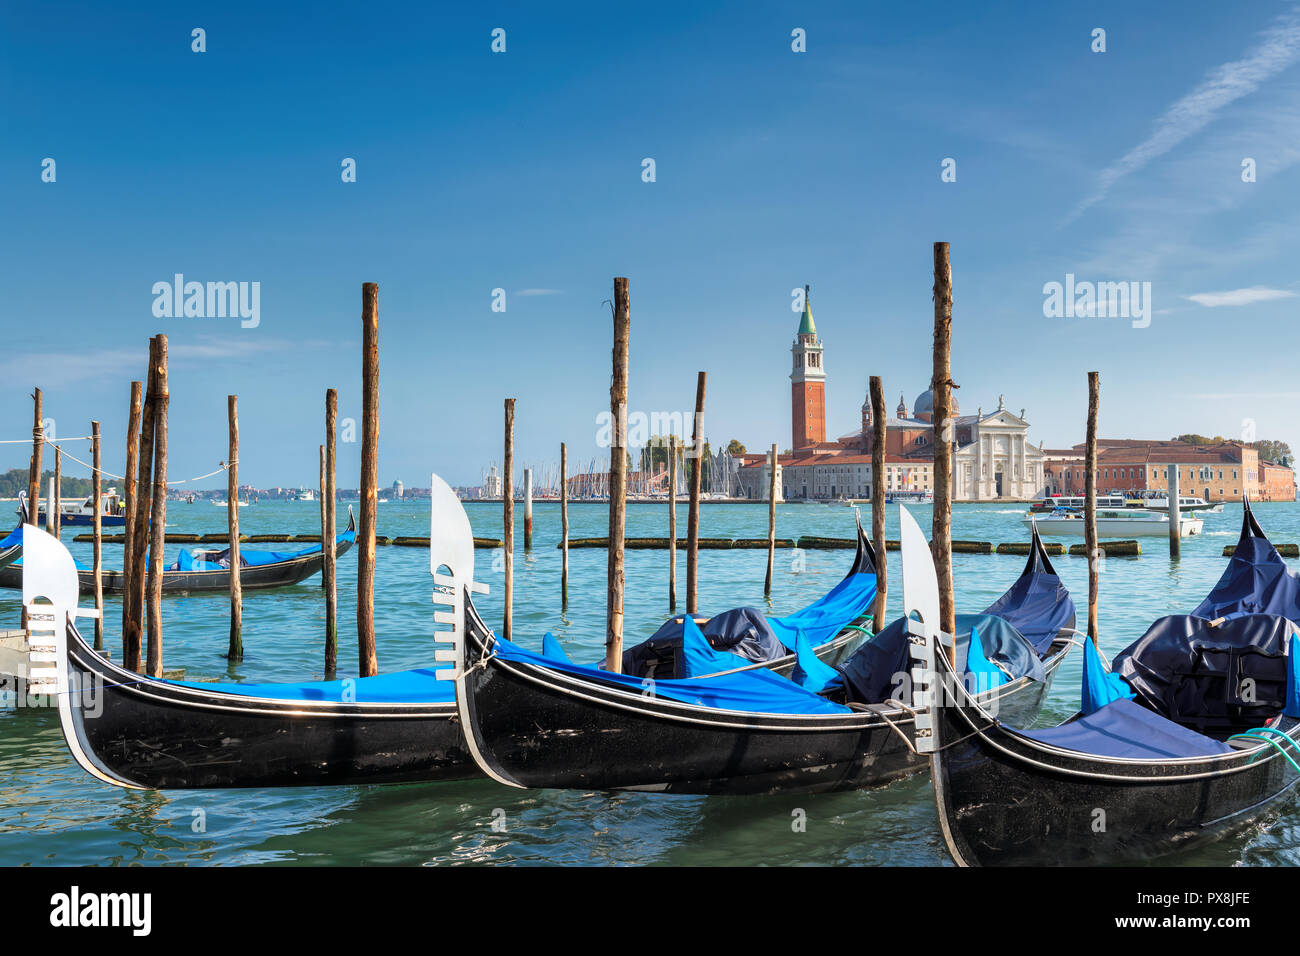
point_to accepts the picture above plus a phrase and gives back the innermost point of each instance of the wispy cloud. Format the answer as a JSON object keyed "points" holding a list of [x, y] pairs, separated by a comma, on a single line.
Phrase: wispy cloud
{"points": [[1279, 47], [1239, 296], [540, 292], [96, 364]]}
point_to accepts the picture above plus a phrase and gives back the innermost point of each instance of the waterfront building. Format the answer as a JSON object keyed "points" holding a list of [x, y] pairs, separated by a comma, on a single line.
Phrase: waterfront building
{"points": [[492, 483], [397, 488]]}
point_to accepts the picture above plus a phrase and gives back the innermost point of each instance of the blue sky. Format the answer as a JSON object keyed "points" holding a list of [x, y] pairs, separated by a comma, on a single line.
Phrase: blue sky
{"points": [[522, 171]]}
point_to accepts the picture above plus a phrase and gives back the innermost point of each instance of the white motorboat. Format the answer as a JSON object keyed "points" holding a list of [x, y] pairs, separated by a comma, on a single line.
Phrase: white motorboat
{"points": [[1160, 502], [1123, 523]]}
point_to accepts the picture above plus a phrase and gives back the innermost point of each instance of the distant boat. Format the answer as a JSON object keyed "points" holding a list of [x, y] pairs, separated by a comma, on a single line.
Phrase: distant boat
{"points": [[1124, 523], [80, 512], [305, 494]]}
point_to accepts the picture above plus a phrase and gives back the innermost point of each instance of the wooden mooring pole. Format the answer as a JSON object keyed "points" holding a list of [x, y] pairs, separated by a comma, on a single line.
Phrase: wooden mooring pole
{"points": [[56, 492], [528, 509], [158, 514], [771, 524], [34, 470], [941, 386], [133, 598], [564, 528], [330, 561], [50, 517], [1090, 500], [878, 422], [129, 488], [367, 657], [693, 514], [236, 650], [617, 478], [508, 520], [97, 516], [672, 523], [1175, 514]]}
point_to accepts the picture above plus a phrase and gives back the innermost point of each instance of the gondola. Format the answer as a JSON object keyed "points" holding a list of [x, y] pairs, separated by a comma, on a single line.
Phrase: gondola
{"points": [[203, 570], [137, 732], [11, 548], [1189, 736], [537, 720]]}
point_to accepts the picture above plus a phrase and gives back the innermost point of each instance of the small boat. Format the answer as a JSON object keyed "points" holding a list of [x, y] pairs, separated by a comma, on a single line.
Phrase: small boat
{"points": [[111, 514], [1191, 734], [1050, 503], [305, 494], [1125, 523], [208, 569], [1159, 501], [139, 732], [538, 720]]}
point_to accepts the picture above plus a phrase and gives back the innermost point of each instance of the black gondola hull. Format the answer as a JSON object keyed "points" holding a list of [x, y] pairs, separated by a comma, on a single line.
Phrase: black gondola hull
{"points": [[251, 578], [535, 727], [1004, 800], [157, 735]]}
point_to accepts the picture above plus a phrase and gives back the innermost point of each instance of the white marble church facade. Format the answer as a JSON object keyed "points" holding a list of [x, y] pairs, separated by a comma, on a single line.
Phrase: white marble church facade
{"points": [[994, 458]]}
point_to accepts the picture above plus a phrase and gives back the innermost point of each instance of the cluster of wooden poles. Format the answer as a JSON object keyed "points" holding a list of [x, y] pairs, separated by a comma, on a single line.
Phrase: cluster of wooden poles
{"points": [[145, 506], [941, 385]]}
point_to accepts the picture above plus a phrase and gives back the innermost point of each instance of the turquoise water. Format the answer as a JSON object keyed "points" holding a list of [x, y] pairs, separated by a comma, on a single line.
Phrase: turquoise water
{"points": [[53, 813]]}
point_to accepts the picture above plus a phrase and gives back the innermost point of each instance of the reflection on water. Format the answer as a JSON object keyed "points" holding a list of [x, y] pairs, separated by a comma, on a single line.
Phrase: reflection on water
{"points": [[53, 813]]}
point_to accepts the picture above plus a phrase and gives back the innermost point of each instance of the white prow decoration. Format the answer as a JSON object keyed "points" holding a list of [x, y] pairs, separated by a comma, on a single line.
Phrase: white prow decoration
{"points": [[921, 608], [49, 574], [451, 545]]}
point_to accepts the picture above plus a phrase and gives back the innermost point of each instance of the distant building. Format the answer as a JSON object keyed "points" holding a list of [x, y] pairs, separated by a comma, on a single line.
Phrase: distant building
{"points": [[1224, 471], [397, 488], [807, 383], [492, 483]]}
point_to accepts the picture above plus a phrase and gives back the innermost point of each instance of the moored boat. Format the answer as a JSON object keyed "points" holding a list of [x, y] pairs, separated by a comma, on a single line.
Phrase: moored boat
{"points": [[538, 720], [143, 733], [1192, 734], [80, 512], [208, 569], [1124, 523]]}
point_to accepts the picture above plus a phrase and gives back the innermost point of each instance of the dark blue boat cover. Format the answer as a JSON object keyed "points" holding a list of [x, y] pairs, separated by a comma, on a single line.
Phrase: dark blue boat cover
{"points": [[745, 632], [1125, 729], [1218, 679], [699, 657], [757, 691], [1256, 580], [1037, 605], [878, 669]]}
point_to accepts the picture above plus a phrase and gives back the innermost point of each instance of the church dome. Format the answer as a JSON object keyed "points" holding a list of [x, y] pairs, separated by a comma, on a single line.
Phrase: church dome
{"points": [[924, 404]]}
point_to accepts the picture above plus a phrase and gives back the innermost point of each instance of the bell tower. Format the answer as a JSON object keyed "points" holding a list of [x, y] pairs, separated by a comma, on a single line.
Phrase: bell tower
{"points": [[807, 382]]}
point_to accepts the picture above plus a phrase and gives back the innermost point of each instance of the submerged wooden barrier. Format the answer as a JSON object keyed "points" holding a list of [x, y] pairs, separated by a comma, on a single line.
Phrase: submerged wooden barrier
{"points": [[1286, 550], [184, 538], [1128, 548]]}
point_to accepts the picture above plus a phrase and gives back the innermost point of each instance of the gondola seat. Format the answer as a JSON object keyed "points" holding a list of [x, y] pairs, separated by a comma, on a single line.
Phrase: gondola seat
{"points": [[1216, 677], [1125, 729]]}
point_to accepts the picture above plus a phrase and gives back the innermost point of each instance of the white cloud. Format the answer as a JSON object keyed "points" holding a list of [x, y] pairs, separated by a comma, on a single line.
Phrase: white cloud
{"points": [[1278, 49], [540, 292], [1239, 296]]}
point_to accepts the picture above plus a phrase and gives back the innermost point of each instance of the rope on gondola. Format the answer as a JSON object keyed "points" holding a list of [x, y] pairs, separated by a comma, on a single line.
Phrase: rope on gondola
{"points": [[1256, 733]]}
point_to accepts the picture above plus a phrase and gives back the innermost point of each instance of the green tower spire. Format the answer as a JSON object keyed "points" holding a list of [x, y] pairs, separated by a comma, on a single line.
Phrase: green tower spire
{"points": [[806, 324]]}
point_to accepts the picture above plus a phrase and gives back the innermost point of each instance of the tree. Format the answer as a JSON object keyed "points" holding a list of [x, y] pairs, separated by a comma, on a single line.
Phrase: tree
{"points": [[1194, 439], [1278, 451], [734, 448]]}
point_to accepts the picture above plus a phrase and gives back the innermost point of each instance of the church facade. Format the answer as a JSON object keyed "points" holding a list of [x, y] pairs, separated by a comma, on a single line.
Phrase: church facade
{"points": [[992, 456]]}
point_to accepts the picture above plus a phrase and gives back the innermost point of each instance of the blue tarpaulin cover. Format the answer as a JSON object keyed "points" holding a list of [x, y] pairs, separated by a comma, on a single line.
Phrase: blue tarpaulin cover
{"points": [[1256, 580], [1037, 605], [810, 671], [1292, 706], [699, 657], [551, 647], [414, 686], [14, 537], [745, 632], [756, 691], [1100, 686], [220, 560], [1125, 729], [872, 674], [986, 673]]}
